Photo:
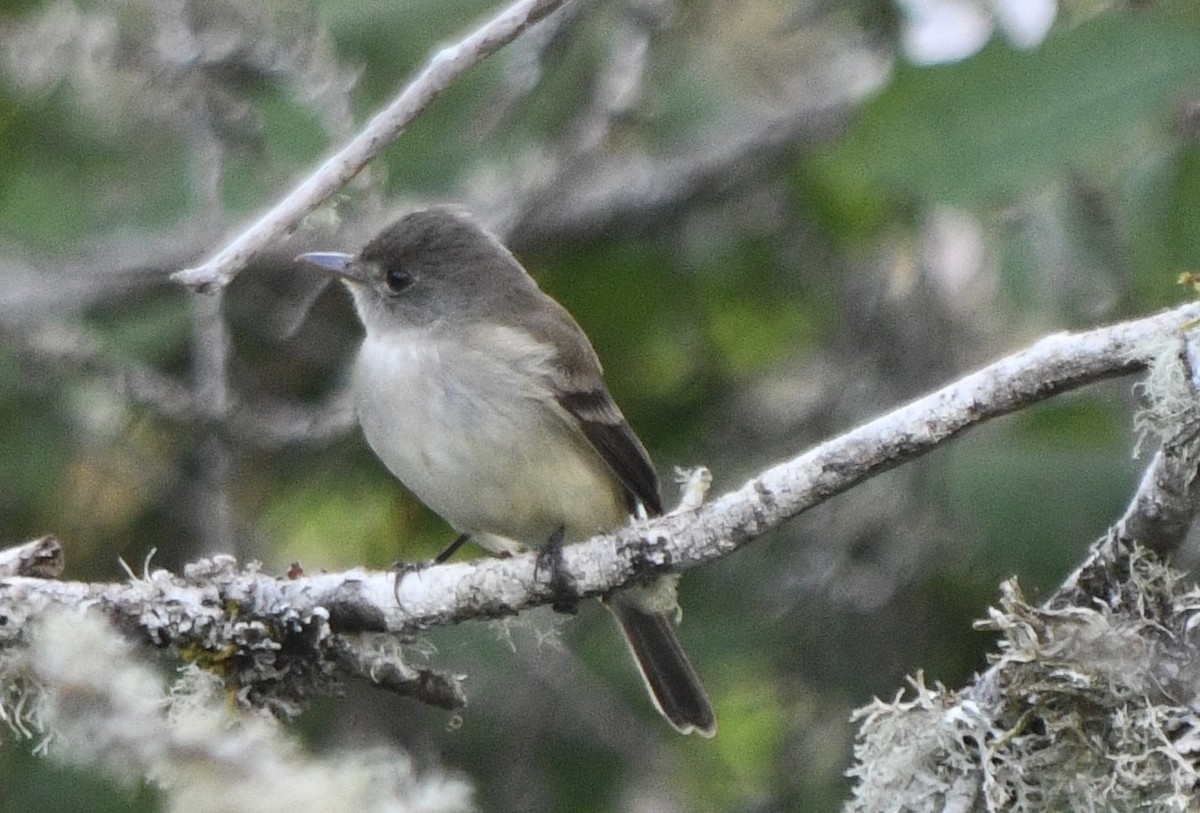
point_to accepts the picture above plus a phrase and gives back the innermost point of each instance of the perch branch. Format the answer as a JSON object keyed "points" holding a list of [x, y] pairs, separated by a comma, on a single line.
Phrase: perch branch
{"points": [[360, 601]]}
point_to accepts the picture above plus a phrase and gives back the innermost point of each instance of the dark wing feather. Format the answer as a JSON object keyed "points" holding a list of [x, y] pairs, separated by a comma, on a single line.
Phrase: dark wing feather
{"points": [[608, 431], [578, 386]]}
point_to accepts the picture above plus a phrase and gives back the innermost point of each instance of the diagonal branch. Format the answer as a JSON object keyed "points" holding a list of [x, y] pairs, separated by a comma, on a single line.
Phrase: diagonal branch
{"points": [[444, 67], [1052, 365], [1105, 665], [360, 601], [1168, 496]]}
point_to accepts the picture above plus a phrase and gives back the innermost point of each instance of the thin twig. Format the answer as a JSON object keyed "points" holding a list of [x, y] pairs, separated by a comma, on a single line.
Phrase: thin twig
{"points": [[211, 348], [260, 424], [444, 67]]}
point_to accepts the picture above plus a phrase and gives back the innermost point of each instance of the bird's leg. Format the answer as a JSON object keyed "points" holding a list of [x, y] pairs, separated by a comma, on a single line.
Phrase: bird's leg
{"points": [[403, 568], [562, 585], [451, 549]]}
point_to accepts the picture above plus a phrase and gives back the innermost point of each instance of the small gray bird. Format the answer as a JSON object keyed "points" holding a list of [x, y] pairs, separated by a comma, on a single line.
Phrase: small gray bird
{"points": [[485, 398]]}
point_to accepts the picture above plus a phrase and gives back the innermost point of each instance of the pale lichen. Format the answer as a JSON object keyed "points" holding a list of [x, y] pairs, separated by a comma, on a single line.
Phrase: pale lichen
{"points": [[1084, 708], [1170, 408], [108, 709]]}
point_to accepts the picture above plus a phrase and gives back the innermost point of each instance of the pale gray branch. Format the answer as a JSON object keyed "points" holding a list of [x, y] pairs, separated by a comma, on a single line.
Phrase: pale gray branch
{"points": [[216, 605], [445, 66], [1050, 366], [1107, 660]]}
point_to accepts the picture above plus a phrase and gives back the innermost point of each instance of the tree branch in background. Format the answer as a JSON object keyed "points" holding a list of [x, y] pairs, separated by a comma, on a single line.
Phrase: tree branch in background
{"points": [[261, 425], [445, 66], [589, 195]]}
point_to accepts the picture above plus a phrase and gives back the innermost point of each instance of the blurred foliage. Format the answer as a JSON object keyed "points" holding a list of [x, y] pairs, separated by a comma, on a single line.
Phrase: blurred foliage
{"points": [[1005, 122], [952, 214]]}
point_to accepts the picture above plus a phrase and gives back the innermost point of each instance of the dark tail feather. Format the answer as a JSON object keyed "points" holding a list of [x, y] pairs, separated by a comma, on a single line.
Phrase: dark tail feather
{"points": [[673, 684]]}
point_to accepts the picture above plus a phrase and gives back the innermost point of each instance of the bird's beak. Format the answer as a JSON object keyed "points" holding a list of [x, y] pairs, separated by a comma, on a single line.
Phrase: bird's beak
{"points": [[332, 262]]}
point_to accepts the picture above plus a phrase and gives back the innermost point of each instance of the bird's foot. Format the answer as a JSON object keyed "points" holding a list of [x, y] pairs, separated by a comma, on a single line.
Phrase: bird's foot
{"points": [[562, 586], [403, 568]]}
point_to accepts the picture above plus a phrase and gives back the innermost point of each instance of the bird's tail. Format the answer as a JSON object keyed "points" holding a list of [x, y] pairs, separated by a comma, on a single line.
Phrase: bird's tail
{"points": [[670, 678]]}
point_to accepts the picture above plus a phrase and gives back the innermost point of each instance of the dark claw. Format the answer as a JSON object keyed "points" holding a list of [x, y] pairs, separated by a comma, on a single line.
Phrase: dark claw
{"points": [[402, 569]]}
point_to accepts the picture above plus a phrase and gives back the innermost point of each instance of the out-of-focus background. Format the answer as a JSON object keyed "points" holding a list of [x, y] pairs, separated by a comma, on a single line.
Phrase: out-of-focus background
{"points": [[774, 218]]}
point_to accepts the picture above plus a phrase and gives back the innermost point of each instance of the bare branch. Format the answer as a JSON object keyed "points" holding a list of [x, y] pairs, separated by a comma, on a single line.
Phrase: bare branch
{"points": [[1051, 366], [444, 67], [211, 349], [264, 425]]}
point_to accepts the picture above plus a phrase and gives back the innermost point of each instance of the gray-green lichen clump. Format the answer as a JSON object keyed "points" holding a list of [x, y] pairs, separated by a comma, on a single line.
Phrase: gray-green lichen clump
{"points": [[1085, 708]]}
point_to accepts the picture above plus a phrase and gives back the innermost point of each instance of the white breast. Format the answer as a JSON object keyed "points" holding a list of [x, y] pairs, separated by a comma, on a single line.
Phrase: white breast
{"points": [[473, 431]]}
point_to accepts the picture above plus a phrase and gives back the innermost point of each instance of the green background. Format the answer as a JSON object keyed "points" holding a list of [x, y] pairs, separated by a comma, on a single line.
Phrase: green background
{"points": [[906, 236]]}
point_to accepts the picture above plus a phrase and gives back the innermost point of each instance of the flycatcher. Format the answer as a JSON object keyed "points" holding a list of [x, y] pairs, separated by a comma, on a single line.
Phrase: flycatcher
{"points": [[485, 398]]}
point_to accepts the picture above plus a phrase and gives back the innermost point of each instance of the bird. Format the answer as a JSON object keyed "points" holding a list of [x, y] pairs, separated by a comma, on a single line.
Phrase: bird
{"points": [[485, 399]]}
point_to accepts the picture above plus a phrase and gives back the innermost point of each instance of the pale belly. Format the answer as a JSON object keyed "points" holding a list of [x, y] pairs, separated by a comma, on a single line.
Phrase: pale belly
{"points": [[480, 449]]}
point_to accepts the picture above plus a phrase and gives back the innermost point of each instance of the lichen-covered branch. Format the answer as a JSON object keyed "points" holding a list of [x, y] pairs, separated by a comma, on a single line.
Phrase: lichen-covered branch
{"points": [[280, 641], [105, 706], [1090, 703], [281, 637]]}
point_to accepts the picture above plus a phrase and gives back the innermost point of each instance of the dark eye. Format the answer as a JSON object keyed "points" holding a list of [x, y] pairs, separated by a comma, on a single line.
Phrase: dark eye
{"points": [[397, 279]]}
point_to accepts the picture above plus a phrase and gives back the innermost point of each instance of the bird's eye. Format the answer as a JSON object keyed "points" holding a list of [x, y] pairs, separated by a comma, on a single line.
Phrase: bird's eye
{"points": [[397, 279]]}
